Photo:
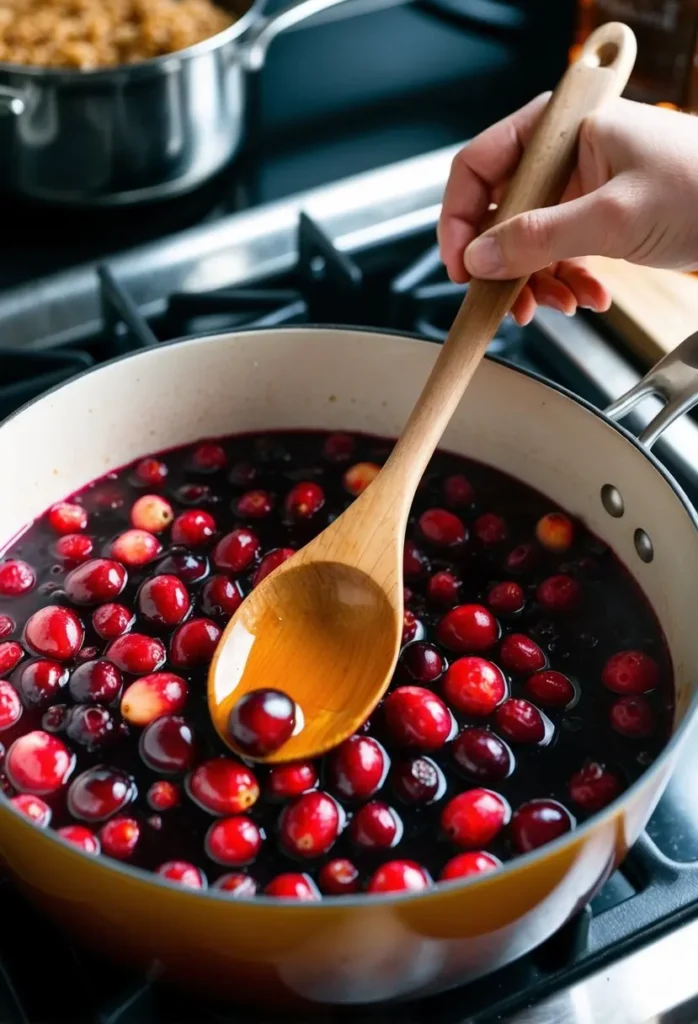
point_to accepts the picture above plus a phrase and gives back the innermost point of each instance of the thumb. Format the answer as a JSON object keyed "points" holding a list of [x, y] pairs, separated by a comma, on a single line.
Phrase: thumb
{"points": [[588, 226]]}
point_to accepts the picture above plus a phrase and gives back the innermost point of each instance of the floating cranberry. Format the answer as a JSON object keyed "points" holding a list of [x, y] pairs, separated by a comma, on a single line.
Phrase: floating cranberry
{"points": [[151, 472], [254, 505], [74, 547], [209, 457], [539, 822], [417, 780], [112, 620], [551, 689], [270, 562], [468, 628], [135, 548], [89, 726], [521, 722], [163, 795], [594, 786], [194, 643], [152, 696], [633, 717], [358, 477], [262, 721], [38, 763], [136, 654], [458, 491], [416, 717], [411, 627], [443, 588], [223, 786], [95, 682], [521, 560], [7, 626], [519, 653], [151, 513], [167, 745], [473, 819], [310, 824], [193, 494], [183, 873], [54, 631], [55, 718], [559, 593], [339, 877], [555, 532], [16, 577], [474, 686], [442, 529], [465, 865], [66, 517], [11, 653], [399, 876], [164, 601], [357, 769], [99, 793], [338, 447], [375, 826], [286, 781], [422, 662], [193, 528], [237, 885], [221, 597], [304, 500], [10, 706], [243, 474], [414, 564], [490, 529], [119, 837], [36, 809], [630, 672], [81, 837], [100, 579], [506, 598], [237, 551], [185, 565], [233, 842], [483, 755], [293, 886]]}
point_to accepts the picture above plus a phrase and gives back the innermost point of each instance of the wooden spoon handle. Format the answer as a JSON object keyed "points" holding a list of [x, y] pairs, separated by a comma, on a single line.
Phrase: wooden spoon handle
{"points": [[600, 73]]}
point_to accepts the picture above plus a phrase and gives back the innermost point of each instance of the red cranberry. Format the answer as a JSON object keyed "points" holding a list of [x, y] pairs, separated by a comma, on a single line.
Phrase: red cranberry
{"points": [[135, 548], [107, 495], [506, 598], [255, 505], [89, 726], [261, 722], [237, 551], [339, 877], [55, 632], [10, 706], [414, 563], [458, 491], [411, 627], [632, 717], [465, 865], [357, 768], [473, 819], [474, 686], [119, 837], [304, 500], [422, 663], [193, 528], [551, 689], [74, 547], [81, 837], [136, 654], [99, 793], [375, 826], [34, 808], [443, 588], [151, 513], [594, 786], [358, 477], [233, 842], [442, 529], [66, 517], [163, 795], [286, 781], [221, 597], [310, 824], [519, 653], [555, 532], [152, 696], [167, 745], [292, 886], [468, 628], [521, 722], [55, 718], [112, 620], [183, 873], [7, 626], [164, 601], [630, 672], [270, 562], [38, 763], [223, 786], [418, 780], [96, 682], [522, 559], [338, 447], [539, 822], [185, 565], [483, 755], [237, 885], [194, 643], [558, 593], [416, 717], [399, 876], [11, 653], [490, 529], [209, 457], [151, 472], [100, 579], [16, 577]]}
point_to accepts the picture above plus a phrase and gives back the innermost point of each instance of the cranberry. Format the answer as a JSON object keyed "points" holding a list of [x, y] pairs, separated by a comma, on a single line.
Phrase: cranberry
{"points": [[193, 528], [185, 565], [96, 682], [74, 547], [483, 755], [538, 822], [418, 780], [136, 654], [414, 563], [81, 837], [411, 627], [551, 689], [270, 562], [10, 706], [519, 653], [399, 876], [66, 517], [474, 686], [237, 551], [236, 884], [458, 491], [416, 717], [310, 824], [164, 601], [339, 877], [632, 717], [151, 513], [289, 780], [558, 593], [163, 795], [468, 628], [183, 873], [304, 500], [375, 826], [89, 726], [135, 548], [465, 865], [151, 472], [167, 745], [506, 598], [99, 793], [106, 495], [152, 696], [55, 632], [221, 597], [292, 886], [194, 643], [442, 529], [422, 663], [359, 476], [594, 786], [119, 837], [112, 620], [100, 579], [193, 494], [521, 722], [473, 819], [443, 588], [243, 474], [36, 809], [55, 718], [223, 786], [256, 504], [11, 653], [338, 447], [555, 532], [209, 457], [38, 763], [630, 672], [233, 842], [261, 722], [522, 559], [7, 626], [16, 577], [357, 769], [490, 529]]}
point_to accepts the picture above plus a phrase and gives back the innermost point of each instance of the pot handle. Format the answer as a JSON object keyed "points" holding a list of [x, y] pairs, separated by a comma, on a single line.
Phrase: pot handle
{"points": [[257, 41], [11, 101], [675, 379]]}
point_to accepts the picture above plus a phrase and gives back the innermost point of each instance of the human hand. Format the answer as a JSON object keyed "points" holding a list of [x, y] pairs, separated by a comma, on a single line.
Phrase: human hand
{"points": [[633, 195]]}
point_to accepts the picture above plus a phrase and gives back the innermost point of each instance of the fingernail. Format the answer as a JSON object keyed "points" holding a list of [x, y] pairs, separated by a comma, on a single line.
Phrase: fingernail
{"points": [[483, 257]]}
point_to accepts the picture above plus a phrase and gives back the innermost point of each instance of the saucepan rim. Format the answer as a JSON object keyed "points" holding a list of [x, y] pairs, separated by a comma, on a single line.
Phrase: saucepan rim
{"points": [[362, 900]]}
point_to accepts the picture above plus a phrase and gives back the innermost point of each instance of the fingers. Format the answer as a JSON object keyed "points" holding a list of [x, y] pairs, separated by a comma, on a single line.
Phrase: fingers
{"points": [[564, 287]]}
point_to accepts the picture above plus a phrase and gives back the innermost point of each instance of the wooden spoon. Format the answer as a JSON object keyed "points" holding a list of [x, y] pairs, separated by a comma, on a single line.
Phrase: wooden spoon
{"points": [[325, 628]]}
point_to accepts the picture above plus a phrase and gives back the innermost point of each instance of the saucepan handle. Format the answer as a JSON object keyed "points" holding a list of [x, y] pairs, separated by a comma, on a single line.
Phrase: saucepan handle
{"points": [[11, 101], [674, 379], [254, 46]]}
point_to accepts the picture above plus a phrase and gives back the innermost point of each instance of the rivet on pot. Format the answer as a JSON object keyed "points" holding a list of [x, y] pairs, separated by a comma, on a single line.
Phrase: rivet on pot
{"points": [[643, 545], [612, 501]]}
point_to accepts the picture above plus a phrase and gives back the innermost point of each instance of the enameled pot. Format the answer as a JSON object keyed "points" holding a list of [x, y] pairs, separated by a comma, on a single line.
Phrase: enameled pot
{"points": [[353, 949]]}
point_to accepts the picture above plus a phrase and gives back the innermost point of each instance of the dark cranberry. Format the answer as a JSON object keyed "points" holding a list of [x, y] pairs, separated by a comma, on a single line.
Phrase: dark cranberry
{"points": [[551, 689], [119, 837], [10, 706], [412, 628], [164, 601], [136, 654], [152, 696], [465, 865], [270, 562], [163, 795], [66, 517], [292, 886], [81, 837], [96, 682], [7, 626], [630, 672], [223, 786], [483, 755], [151, 472], [243, 474], [519, 653], [522, 559], [490, 529], [11, 653], [555, 532], [255, 505], [539, 822], [506, 598], [112, 620], [310, 824], [38, 763], [286, 781], [458, 491], [473, 819], [86, 654], [55, 718], [442, 529], [183, 873], [468, 628], [36, 809], [194, 643], [99, 793], [233, 842], [357, 769], [358, 477], [237, 551], [375, 826], [167, 745], [16, 577], [193, 494], [185, 565], [339, 877], [151, 513], [414, 563], [54, 632], [221, 597], [74, 547], [558, 593], [399, 876], [135, 548], [416, 717], [521, 722], [89, 726], [236, 885], [338, 447], [304, 500], [443, 588], [209, 457], [417, 780], [422, 662], [193, 528], [633, 717], [261, 722], [106, 495], [474, 686], [594, 786]]}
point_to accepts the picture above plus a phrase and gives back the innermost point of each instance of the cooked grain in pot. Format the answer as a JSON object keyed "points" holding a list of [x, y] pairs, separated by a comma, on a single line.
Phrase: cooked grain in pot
{"points": [[88, 34]]}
